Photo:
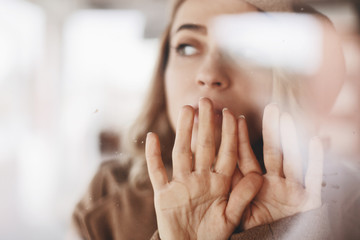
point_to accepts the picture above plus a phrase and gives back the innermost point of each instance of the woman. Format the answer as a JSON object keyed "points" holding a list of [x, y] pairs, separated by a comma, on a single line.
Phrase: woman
{"points": [[204, 199]]}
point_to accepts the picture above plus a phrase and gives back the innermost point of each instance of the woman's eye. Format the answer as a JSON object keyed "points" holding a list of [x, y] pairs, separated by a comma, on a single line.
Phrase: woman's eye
{"points": [[186, 50]]}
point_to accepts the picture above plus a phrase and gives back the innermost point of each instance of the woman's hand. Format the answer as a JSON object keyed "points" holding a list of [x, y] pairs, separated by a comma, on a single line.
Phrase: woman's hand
{"points": [[284, 191], [198, 202]]}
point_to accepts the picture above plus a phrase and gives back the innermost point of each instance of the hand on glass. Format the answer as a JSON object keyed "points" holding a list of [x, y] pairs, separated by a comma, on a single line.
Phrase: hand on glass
{"points": [[198, 203], [284, 191]]}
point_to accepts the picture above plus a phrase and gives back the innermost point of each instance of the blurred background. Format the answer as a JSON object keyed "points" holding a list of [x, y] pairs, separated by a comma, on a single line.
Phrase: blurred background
{"points": [[73, 74]]}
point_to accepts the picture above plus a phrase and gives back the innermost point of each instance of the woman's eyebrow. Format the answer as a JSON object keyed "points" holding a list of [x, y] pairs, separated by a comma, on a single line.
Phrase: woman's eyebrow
{"points": [[193, 27]]}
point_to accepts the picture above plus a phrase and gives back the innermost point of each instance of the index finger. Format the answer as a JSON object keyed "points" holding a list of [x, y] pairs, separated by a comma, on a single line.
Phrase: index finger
{"points": [[272, 145], [228, 155], [181, 155], [247, 160]]}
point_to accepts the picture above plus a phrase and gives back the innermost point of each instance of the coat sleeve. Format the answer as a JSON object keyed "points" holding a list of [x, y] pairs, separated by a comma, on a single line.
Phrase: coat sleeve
{"points": [[155, 236], [96, 198], [313, 224], [112, 209]]}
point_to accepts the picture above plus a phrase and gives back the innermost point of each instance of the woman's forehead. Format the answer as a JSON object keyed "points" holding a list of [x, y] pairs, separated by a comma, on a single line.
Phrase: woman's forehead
{"points": [[201, 11]]}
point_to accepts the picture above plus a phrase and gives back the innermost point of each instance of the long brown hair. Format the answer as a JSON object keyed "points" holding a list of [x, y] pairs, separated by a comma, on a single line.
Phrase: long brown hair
{"points": [[153, 116]]}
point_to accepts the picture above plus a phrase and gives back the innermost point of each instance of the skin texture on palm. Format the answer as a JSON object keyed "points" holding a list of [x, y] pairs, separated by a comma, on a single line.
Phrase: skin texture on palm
{"points": [[197, 202], [207, 200], [285, 191]]}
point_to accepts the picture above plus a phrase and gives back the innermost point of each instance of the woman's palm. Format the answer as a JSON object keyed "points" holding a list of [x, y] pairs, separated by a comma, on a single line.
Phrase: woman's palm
{"points": [[199, 200], [197, 203], [284, 192]]}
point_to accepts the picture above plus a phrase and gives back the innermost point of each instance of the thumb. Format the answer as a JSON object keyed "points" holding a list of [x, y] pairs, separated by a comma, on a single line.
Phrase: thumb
{"points": [[237, 176], [241, 196]]}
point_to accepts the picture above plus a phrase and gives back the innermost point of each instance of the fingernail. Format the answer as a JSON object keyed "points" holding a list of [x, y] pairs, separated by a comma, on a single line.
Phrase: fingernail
{"points": [[186, 107], [242, 116], [272, 105], [225, 109]]}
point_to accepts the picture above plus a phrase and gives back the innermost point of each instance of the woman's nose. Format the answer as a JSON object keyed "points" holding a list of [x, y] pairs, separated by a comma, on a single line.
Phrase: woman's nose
{"points": [[212, 74]]}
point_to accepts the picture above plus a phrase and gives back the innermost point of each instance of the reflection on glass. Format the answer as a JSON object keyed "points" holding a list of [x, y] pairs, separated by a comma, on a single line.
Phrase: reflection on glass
{"points": [[72, 82]]}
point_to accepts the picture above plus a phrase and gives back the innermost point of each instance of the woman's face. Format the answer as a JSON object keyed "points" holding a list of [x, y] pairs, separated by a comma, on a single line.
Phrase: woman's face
{"points": [[197, 69]]}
